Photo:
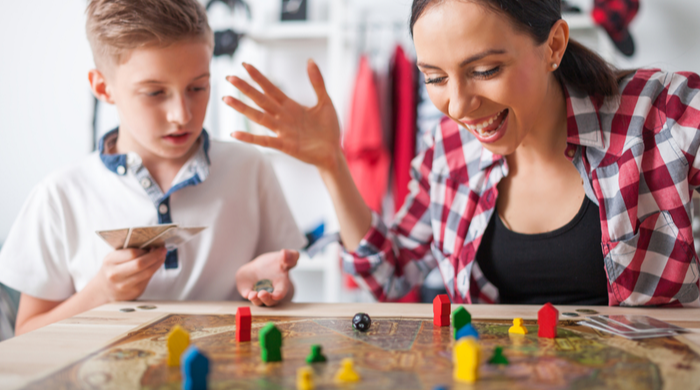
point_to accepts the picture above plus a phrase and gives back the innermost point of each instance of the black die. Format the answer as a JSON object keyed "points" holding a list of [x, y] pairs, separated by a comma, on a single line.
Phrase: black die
{"points": [[361, 322]]}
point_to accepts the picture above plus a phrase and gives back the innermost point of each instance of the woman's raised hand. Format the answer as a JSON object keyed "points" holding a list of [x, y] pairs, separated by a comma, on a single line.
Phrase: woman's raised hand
{"points": [[310, 134]]}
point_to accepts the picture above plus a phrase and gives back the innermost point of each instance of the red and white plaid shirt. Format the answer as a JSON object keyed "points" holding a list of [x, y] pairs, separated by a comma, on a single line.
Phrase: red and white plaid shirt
{"points": [[637, 157]]}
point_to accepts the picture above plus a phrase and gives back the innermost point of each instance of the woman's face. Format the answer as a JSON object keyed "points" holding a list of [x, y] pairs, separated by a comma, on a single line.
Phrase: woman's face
{"points": [[482, 73]]}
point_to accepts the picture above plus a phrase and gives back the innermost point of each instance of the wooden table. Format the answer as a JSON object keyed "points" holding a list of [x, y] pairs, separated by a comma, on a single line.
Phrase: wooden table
{"points": [[43, 351]]}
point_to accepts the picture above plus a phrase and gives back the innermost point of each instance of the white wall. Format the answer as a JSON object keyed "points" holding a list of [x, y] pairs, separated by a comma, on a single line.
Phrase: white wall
{"points": [[45, 101]]}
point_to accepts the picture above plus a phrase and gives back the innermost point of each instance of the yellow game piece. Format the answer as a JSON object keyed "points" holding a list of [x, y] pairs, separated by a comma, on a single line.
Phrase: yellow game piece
{"points": [[347, 372], [517, 327], [178, 341], [466, 355], [305, 379]]}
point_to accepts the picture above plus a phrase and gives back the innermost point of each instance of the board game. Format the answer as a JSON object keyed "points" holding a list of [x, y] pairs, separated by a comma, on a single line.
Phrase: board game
{"points": [[396, 353]]}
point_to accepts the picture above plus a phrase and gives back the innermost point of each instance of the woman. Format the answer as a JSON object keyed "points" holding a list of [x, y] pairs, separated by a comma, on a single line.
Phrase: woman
{"points": [[552, 177]]}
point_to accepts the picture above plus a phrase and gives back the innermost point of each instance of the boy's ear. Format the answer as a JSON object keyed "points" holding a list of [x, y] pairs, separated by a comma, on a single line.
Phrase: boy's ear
{"points": [[98, 84]]}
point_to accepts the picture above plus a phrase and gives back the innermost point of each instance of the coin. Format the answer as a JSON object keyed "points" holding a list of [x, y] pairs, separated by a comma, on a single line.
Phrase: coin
{"points": [[127, 309], [265, 284], [569, 314], [146, 307], [586, 311]]}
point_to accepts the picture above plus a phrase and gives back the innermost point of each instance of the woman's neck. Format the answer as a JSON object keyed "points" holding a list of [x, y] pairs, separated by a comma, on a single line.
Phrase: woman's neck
{"points": [[546, 141]]}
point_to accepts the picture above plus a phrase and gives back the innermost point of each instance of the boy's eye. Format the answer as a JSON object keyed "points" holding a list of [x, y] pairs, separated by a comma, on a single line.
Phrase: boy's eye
{"points": [[154, 93], [487, 73]]}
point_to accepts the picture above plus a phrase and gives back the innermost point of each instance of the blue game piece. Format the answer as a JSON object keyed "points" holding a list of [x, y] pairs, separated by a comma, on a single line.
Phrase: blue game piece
{"points": [[467, 331], [195, 368], [440, 388]]}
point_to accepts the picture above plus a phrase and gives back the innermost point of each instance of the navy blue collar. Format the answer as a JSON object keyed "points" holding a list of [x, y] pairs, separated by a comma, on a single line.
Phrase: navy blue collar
{"points": [[117, 163]]}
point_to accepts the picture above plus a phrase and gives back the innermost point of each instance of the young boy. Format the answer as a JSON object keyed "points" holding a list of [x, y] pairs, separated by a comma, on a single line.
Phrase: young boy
{"points": [[152, 61]]}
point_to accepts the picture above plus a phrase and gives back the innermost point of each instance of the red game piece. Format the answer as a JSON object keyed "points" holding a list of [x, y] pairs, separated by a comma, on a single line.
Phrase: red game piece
{"points": [[243, 324], [547, 319], [441, 310]]}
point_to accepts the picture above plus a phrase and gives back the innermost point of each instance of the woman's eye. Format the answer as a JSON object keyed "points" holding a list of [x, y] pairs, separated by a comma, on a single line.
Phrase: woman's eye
{"points": [[434, 80], [487, 73]]}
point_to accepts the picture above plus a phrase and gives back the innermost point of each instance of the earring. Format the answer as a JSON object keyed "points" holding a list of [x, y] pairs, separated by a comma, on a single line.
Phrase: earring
{"points": [[554, 66]]}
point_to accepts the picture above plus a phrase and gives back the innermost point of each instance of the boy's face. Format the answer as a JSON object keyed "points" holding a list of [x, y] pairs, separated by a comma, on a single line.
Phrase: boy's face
{"points": [[161, 95]]}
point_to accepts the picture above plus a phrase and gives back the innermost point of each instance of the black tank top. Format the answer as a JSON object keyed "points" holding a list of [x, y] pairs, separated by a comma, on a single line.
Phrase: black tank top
{"points": [[564, 266]]}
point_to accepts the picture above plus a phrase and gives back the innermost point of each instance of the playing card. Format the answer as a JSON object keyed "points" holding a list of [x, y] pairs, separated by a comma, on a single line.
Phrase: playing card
{"points": [[171, 238], [115, 238], [142, 235], [643, 323], [628, 335], [145, 237]]}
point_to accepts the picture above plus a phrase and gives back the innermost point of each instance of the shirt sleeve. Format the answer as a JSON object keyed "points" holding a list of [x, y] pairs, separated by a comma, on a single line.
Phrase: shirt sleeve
{"points": [[390, 262], [683, 120], [278, 229], [33, 259]]}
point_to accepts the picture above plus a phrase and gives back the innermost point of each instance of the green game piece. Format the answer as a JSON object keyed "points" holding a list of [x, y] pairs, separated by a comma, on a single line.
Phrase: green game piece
{"points": [[316, 356], [270, 343], [498, 357], [460, 317]]}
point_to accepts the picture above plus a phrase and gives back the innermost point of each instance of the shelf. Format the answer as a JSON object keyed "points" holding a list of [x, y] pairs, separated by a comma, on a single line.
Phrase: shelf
{"points": [[579, 21], [285, 31]]}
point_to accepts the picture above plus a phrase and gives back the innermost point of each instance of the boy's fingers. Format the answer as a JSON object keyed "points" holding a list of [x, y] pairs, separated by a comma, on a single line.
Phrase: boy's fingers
{"points": [[281, 287], [253, 297], [265, 84], [260, 99], [267, 298], [289, 259], [153, 258], [316, 80], [146, 274], [260, 140], [254, 115], [121, 256]]}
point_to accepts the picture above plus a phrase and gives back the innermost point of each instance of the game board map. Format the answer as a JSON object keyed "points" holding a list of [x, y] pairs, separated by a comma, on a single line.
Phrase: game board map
{"points": [[397, 353]]}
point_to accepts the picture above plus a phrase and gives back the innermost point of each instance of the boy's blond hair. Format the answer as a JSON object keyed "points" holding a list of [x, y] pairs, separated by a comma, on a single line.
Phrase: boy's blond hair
{"points": [[115, 27]]}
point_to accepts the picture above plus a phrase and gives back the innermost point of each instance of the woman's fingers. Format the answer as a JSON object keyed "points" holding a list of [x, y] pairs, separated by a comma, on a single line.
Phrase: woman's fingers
{"points": [[266, 298], [253, 297], [260, 140], [254, 115], [258, 97], [316, 80], [265, 84]]}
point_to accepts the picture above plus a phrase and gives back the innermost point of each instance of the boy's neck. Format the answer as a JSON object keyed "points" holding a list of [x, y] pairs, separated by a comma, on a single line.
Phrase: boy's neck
{"points": [[163, 170]]}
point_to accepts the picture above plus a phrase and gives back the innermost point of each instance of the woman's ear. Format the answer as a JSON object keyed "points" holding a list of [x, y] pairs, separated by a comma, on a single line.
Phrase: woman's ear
{"points": [[556, 44], [98, 84]]}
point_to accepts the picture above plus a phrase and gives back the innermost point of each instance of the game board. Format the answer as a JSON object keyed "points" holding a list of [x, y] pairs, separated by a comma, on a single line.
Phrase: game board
{"points": [[397, 353]]}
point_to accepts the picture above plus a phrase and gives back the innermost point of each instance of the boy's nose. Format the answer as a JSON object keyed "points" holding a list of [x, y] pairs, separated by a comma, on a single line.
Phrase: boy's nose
{"points": [[179, 111]]}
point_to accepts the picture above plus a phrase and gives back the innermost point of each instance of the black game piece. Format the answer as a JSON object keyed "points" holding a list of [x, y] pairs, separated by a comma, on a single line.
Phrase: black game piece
{"points": [[361, 322]]}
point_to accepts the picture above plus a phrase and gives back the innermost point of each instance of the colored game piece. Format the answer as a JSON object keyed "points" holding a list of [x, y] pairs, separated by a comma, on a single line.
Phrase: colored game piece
{"points": [[498, 357], [460, 317], [178, 341], [547, 319], [243, 324], [467, 330], [466, 355], [195, 368], [127, 310], [347, 372], [441, 310], [570, 314], [316, 356], [271, 343], [517, 327], [361, 322], [305, 378], [146, 307]]}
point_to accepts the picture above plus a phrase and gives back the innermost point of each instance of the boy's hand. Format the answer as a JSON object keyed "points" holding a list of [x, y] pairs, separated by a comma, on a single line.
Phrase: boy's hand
{"points": [[274, 266], [125, 273], [310, 134]]}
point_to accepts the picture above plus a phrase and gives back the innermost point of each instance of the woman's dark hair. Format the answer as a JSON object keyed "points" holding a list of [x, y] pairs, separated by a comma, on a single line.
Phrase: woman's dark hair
{"points": [[580, 67]]}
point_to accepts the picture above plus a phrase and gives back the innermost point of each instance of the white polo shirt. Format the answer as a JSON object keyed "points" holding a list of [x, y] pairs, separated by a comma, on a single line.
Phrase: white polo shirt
{"points": [[52, 250]]}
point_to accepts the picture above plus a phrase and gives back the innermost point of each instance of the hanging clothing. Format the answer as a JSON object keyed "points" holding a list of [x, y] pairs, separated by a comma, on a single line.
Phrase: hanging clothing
{"points": [[404, 110], [367, 157]]}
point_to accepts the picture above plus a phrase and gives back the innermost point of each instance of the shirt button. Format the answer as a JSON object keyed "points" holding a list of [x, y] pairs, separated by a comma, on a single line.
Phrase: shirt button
{"points": [[571, 152], [146, 183], [121, 170], [163, 209]]}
